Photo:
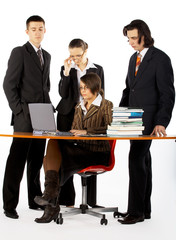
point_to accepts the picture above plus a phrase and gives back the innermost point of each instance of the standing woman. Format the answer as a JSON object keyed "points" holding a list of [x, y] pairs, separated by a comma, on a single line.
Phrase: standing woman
{"points": [[76, 66]]}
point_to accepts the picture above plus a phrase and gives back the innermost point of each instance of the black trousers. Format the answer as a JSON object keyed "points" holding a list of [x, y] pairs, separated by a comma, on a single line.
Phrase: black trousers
{"points": [[67, 193], [22, 151], [140, 178]]}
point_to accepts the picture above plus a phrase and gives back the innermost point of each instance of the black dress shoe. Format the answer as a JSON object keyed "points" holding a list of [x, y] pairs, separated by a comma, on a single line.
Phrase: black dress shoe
{"points": [[147, 215], [129, 219], [11, 213], [120, 214]]}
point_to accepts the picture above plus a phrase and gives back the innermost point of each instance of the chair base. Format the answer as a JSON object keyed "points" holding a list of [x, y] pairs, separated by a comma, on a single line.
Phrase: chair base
{"points": [[83, 209]]}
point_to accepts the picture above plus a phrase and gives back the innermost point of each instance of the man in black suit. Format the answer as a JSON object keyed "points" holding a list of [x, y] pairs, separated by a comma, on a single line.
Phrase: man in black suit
{"points": [[148, 86], [26, 81]]}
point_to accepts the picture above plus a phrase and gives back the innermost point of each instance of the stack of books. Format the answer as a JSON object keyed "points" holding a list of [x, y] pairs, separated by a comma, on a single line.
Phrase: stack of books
{"points": [[126, 121]]}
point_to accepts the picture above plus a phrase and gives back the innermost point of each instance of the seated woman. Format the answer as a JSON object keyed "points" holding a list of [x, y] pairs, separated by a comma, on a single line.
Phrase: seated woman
{"points": [[64, 158]]}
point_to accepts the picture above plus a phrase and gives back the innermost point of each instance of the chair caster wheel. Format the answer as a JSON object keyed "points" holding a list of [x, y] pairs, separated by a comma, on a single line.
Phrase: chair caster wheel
{"points": [[104, 221], [59, 221], [116, 215]]}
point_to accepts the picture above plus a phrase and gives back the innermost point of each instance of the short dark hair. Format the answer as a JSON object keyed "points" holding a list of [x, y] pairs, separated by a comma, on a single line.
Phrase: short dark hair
{"points": [[143, 30], [93, 82], [34, 18], [78, 43]]}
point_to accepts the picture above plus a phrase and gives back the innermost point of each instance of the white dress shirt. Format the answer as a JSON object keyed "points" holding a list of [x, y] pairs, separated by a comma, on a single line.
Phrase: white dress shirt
{"points": [[82, 73], [36, 49], [143, 52], [96, 102]]}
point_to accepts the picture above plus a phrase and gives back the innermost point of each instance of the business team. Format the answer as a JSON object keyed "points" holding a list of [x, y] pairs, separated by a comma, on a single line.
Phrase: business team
{"points": [[149, 85]]}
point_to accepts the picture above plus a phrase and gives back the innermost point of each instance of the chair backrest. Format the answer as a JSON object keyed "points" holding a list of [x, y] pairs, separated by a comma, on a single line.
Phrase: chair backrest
{"points": [[97, 169]]}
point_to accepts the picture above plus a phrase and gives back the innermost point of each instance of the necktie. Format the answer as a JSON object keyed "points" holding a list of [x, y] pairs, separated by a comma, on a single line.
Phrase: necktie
{"points": [[138, 61], [39, 53]]}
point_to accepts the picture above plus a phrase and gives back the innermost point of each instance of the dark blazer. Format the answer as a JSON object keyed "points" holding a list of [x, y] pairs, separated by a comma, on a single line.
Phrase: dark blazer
{"points": [[25, 81], [68, 89], [152, 89]]}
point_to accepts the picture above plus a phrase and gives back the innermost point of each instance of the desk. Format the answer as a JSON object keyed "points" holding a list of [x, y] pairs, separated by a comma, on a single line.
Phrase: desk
{"points": [[31, 135]]}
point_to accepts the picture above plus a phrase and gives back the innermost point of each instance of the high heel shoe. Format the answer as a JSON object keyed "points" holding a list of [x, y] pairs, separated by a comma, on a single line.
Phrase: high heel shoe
{"points": [[50, 213]]}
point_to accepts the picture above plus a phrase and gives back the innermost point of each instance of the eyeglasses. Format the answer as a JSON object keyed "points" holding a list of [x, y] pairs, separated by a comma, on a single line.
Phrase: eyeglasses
{"points": [[83, 88], [77, 56]]}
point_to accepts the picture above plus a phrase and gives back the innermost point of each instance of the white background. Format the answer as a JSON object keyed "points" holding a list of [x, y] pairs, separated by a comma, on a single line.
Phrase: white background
{"points": [[100, 24]]}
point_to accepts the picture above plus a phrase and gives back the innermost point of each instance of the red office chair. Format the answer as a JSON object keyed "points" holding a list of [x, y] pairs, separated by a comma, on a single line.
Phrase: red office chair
{"points": [[83, 209]]}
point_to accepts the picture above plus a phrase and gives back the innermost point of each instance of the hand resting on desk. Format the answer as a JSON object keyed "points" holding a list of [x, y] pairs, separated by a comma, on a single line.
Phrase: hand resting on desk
{"points": [[76, 132], [159, 130]]}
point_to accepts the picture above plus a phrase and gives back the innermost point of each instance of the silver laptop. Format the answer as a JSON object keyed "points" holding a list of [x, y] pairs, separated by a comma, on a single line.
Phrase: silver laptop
{"points": [[43, 120]]}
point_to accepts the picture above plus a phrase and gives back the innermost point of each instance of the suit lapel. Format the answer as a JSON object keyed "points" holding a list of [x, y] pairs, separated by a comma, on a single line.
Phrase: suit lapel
{"points": [[33, 54], [145, 62], [46, 61], [92, 110], [132, 69], [90, 70], [79, 116], [143, 65]]}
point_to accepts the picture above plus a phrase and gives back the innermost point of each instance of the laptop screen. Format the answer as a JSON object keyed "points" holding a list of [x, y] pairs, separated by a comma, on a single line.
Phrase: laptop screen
{"points": [[42, 117]]}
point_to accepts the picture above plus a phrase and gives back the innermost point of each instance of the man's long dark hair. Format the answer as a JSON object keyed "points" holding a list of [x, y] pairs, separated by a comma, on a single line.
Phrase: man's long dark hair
{"points": [[143, 30]]}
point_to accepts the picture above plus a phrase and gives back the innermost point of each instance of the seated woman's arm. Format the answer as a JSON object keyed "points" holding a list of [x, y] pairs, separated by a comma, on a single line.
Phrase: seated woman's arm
{"points": [[107, 119]]}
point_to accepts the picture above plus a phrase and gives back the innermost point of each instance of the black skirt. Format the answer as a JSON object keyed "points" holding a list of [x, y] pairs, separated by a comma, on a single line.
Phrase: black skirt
{"points": [[76, 158]]}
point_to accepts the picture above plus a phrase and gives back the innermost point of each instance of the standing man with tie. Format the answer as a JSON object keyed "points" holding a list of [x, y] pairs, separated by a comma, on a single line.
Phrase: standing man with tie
{"points": [[26, 81], [149, 85]]}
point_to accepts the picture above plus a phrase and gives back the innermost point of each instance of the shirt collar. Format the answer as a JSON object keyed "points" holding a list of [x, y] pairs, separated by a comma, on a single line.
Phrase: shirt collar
{"points": [[96, 102], [35, 48], [143, 52], [89, 65]]}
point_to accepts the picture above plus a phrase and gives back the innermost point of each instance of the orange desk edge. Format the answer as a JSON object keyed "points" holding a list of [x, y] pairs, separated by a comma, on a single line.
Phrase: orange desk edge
{"points": [[130, 137]]}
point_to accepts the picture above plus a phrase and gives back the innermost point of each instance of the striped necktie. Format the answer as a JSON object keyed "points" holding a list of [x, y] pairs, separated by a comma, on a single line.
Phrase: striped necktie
{"points": [[138, 61], [39, 53]]}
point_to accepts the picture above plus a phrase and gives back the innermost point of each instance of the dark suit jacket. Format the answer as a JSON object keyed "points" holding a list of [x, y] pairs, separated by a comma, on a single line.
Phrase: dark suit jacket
{"points": [[25, 81], [68, 89], [152, 89]]}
